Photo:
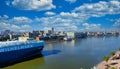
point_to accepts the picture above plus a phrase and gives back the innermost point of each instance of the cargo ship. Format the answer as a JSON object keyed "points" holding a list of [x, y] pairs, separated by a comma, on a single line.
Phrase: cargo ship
{"points": [[17, 49]]}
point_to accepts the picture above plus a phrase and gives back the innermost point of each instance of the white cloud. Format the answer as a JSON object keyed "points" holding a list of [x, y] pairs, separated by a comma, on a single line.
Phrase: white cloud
{"points": [[50, 13], [117, 23], [15, 27], [25, 26], [111, 19], [15, 23], [22, 19], [38, 5], [71, 1], [64, 21], [8, 3], [4, 17], [15, 20], [99, 9], [4, 26], [91, 27], [69, 14]]}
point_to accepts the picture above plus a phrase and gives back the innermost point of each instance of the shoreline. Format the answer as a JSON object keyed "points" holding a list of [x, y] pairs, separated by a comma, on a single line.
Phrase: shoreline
{"points": [[112, 63]]}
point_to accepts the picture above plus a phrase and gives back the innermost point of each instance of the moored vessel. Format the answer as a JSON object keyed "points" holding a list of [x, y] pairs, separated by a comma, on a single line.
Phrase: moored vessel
{"points": [[23, 47], [67, 39]]}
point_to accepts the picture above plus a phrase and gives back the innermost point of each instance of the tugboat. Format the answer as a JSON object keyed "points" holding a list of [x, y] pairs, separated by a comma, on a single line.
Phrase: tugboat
{"points": [[67, 39], [13, 50]]}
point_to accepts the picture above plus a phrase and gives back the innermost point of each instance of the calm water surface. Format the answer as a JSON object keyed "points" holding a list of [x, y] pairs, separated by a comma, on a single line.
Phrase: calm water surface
{"points": [[76, 54]]}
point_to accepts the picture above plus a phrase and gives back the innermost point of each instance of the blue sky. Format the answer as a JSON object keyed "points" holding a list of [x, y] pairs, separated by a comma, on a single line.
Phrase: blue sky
{"points": [[63, 15]]}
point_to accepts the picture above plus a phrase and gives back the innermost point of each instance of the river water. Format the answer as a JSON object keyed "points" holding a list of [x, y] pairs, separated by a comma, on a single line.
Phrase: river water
{"points": [[75, 54]]}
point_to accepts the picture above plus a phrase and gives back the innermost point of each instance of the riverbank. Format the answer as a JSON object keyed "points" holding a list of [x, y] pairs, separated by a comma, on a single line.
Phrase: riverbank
{"points": [[112, 63]]}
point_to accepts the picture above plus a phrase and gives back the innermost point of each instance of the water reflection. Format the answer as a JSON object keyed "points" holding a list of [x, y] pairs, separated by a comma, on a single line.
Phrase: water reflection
{"points": [[69, 43], [32, 64], [50, 46], [50, 52]]}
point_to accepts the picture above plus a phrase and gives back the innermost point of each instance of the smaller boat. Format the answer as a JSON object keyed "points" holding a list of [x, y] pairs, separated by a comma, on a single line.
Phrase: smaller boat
{"points": [[67, 39]]}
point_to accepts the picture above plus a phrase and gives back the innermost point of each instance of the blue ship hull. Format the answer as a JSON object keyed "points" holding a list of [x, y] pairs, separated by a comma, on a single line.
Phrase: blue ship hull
{"points": [[8, 57], [12, 53]]}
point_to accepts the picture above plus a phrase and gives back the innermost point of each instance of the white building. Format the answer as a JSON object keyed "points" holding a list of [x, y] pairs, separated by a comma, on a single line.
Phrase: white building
{"points": [[70, 34], [75, 34]]}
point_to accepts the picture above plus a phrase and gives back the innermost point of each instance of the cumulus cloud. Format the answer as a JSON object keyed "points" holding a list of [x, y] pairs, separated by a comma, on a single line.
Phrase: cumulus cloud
{"points": [[99, 9], [71, 1], [38, 5], [4, 17], [25, 26], [22, 19], [60, 24], [4, 26], [15, 23], [117, 23], [68, 21], [50, 13], [13, 27], [91, 27], [63, 21], [69, 14]]}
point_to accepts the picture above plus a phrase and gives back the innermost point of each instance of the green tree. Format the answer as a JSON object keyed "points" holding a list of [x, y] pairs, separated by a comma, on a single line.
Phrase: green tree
{"points": [[106, 58], [113, 68], [112, 53], [118, 49]]}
